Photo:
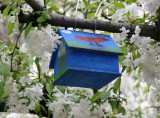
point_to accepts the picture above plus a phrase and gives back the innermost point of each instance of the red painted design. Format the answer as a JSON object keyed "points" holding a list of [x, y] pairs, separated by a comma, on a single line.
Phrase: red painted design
{"points": [[92, 40]]}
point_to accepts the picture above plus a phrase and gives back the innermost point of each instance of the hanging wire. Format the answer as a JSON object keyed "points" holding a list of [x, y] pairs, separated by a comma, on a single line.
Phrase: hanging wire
{"points": [[75, 25], [95, 19], [99, 8], [77, 8]]}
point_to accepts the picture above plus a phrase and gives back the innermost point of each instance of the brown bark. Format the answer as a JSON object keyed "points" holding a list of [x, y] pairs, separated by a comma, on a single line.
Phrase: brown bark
{"points": [[64, 21]]}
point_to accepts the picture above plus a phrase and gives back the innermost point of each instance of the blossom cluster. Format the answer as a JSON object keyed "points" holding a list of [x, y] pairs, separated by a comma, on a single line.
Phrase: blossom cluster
{"points": [[22, 97], [151, 5], [24, 90], [41, 43], [149, 57], [130, 12]]}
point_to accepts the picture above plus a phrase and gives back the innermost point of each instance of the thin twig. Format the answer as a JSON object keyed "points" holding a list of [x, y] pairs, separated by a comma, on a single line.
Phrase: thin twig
{"points": [[39, 73], [119, 89], [16, 47], [65, 1], [119, 93], [156, 107], [87, 10], [45, 4], [72, 5], [159, 23]]}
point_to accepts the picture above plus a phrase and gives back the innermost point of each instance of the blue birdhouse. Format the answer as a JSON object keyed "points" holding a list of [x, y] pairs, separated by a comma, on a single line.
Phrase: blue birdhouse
{"points": [[85, 60]]}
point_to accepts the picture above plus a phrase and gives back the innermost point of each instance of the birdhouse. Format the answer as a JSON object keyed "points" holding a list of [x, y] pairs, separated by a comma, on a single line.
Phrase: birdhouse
{"points": [[85, 60]]}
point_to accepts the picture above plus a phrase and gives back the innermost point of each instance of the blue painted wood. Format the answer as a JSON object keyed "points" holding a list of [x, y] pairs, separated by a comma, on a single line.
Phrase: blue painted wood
{"points": [[88, 79], [83, 64], [94, 61]]}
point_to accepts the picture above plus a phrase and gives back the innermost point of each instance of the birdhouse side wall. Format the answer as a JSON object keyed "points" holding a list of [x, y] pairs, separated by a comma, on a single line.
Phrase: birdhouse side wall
{"points": [[62, 62], [90, 60]]}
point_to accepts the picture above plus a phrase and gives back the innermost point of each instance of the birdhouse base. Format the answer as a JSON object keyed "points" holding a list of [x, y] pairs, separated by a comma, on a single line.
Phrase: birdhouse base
{"points": [[87, 79]]}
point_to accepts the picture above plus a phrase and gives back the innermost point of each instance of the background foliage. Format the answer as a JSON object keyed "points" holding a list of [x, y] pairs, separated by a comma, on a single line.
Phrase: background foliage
{"points": [[25, 50]]}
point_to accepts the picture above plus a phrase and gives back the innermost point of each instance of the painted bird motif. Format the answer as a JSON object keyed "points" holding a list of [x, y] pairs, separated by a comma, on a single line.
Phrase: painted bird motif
{"points": [[92, 40]]}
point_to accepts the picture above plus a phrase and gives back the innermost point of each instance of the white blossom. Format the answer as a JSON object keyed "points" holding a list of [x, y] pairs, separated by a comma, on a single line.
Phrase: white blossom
{"points": [[1, 78], [129, 60], [25, 80], [82, 110], [124, 33], [35, 95], [10, 85], [45, 41], [151, 5]]}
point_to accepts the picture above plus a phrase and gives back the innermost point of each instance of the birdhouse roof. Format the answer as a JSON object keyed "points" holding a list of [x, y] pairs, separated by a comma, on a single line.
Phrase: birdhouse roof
{"points": [[90, 41]]}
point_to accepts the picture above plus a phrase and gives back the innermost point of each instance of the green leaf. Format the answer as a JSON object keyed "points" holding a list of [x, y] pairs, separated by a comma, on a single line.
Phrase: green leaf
{"points": [[66, 106], [62, 88], [15, 4], [37, 64], [2, 84], [5, 70], [104, 96], [122, 110], [40, 115], [24, 73], [47, 16], [118, 5], [90, 6], [10, 27], [41, 19], [37, 108], [131, 1], [6, 10], [85, 2], [28, 28], [69, 3], [9, 42], [96, 96], [109, 5], [90, 15], [44, 109], [116, 85], [49, 114], [113, 104], [5, 1], [133, 54], [2, 46], [49, 88], [139, 21], [53, 7]]}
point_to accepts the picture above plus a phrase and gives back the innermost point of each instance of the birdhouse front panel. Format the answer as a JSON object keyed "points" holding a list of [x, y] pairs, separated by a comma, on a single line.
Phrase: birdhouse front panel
{"points": [[85, 60], [94, 61]]}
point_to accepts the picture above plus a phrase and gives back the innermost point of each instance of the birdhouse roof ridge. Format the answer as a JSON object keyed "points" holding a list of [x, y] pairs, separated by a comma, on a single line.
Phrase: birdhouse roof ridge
{"points": [[90, 41]]}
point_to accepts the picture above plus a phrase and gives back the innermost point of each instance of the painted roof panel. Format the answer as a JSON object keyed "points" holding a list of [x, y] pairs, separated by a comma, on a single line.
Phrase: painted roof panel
{"points": [[90, 41]]}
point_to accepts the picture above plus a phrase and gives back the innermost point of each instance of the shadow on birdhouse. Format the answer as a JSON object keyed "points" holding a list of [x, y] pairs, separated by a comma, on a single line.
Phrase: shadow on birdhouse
{"points": [[85, 60]]}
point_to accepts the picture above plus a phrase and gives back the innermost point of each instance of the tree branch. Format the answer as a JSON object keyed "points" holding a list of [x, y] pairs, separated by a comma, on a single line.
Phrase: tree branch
{"points": [[64, 21]]}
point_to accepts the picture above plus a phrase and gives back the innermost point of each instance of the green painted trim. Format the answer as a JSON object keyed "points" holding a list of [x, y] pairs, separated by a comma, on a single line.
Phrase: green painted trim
{"points": [[61, 73], [76, 44], [113, 49]]}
